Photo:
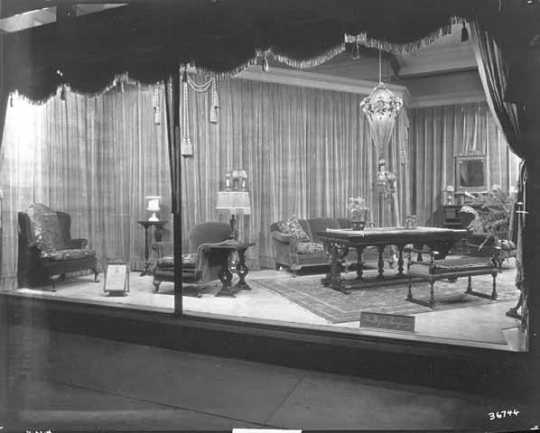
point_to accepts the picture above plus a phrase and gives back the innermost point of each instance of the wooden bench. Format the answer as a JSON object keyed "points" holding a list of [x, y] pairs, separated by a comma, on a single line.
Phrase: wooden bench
{"points": [[450, 269]]}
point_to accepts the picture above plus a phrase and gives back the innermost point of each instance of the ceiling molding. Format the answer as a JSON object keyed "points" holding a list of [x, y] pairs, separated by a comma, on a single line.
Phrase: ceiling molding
{"points": [[317, 81], [452, 98]]}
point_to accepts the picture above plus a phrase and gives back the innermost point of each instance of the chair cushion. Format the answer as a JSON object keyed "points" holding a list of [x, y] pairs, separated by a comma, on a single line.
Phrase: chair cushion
{"points": [[465, 264], [72, 254], [46, 226], [313, 248], [292, 227], [168, 261]]}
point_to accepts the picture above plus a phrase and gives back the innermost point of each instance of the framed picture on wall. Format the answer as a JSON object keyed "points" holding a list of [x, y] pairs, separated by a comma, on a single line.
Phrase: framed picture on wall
{"points": [[116, 281], [472, 173]]}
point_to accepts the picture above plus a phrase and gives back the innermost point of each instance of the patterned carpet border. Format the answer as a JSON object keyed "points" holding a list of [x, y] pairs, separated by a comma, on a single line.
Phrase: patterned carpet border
{"points": [[308, 292]]}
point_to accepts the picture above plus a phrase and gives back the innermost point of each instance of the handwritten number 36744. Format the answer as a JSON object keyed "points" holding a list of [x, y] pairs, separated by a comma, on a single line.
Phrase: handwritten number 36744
{"points": [[500, 414]]}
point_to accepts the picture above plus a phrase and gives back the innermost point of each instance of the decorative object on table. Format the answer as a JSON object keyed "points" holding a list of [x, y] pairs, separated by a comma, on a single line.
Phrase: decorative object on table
{"points": [[410, 222], [153, 206], [472, 174], [203, 263], [358, 211], [235, 197], [116, 278], [296, 245], [381, 108], [449, 198], [158, 231], [46, 248]]}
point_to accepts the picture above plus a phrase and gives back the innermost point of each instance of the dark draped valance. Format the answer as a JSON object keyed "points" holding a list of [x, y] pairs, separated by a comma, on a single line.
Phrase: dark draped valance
{"points": [[149, 40]]}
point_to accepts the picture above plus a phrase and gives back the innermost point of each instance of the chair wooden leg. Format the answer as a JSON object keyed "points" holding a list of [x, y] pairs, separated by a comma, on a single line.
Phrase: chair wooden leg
{"points": [[494, 291], [469, 284]]}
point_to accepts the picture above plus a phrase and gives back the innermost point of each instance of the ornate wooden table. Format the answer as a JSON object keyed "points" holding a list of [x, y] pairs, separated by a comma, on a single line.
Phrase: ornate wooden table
{"points": [[225, 275], [338, 241]]}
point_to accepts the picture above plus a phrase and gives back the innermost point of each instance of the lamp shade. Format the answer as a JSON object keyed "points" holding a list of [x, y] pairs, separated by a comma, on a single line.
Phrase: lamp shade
{"points": [[234, 201], [153, 203]]}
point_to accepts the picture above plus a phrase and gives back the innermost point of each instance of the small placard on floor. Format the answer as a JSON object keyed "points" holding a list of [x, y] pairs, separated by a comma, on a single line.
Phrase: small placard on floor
{"points": [[395, 322]]}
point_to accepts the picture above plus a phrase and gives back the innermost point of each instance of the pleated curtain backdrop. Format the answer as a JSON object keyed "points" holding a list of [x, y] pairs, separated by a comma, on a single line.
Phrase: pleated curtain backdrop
{"points": [[305, 151], [93, 157], [437, 136]]}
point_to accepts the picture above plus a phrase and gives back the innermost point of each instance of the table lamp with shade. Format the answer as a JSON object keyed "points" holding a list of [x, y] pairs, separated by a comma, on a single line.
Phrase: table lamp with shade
{"points": [[153, 206]]}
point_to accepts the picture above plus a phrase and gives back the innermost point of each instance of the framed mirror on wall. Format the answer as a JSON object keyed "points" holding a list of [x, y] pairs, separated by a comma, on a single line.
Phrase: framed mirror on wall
{"points": [[472, 173]]}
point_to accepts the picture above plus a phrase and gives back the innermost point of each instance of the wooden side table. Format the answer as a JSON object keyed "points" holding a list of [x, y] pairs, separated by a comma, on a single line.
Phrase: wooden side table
{"points": [[158, 233], [225, 275]]}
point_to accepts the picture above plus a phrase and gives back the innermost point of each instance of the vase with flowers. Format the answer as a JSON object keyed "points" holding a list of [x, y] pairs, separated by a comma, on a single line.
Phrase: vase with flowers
{"points": [[358, 210]]}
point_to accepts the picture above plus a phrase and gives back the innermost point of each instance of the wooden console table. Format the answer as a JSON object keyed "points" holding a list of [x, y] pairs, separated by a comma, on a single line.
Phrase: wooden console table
{"points": [[338, 242]]}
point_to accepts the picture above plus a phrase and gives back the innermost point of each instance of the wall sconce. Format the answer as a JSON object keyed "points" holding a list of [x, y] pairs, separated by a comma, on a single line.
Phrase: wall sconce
{"points": [[153, 206]]}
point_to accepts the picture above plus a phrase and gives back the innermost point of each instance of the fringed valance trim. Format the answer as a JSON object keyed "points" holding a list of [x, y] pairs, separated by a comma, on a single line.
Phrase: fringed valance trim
{"points": [[119, 79], [307, 63], [405, 48]]}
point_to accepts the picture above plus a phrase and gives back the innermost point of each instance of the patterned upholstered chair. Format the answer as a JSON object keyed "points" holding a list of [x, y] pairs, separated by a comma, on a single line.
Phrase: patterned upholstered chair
{"points": [[200, 265], [46, 248]]}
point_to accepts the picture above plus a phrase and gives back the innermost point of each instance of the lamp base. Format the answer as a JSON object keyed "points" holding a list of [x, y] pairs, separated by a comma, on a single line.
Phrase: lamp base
{"points": [[153, 217], [234, 231]]}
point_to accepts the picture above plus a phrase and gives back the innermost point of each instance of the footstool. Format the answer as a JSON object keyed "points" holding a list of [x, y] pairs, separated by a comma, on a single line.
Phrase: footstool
{"points": [[451, 269]]}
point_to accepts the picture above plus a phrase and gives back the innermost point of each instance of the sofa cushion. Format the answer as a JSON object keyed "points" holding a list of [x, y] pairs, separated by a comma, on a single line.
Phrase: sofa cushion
{"points": [[71, 254], [311, 248], [293, 228], [46, 227]]}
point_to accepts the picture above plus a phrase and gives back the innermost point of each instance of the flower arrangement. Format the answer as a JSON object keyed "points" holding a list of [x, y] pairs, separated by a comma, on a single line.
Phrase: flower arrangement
{"points": [[358, 210]]}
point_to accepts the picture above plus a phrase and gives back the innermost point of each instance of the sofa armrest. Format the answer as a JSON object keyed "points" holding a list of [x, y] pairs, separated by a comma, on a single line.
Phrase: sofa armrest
{"points": [[77, 244], [281, 237]]}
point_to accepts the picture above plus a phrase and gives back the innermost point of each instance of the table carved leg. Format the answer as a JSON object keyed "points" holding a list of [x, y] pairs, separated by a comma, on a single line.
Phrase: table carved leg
{"points": [[146, 270], [359, 263], [380, 262], [225, 276], [242, 271], [333, 279], [400, 260]]}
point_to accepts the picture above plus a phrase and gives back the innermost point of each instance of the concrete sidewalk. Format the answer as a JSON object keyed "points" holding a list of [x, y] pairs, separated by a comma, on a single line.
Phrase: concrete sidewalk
{"points": [[72, 382]]}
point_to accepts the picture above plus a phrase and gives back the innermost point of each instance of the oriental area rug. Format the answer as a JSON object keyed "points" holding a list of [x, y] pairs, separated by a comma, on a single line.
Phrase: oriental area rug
{"points": [[308, 292]]}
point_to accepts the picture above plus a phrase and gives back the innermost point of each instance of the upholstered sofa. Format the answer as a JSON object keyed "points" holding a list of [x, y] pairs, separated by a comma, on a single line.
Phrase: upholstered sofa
{"points": [[296, 245], [46, 248]]}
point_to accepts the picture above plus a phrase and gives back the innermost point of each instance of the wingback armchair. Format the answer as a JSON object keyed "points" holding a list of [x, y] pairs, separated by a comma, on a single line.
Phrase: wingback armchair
{"points": [[46, 248], [200, 265]]}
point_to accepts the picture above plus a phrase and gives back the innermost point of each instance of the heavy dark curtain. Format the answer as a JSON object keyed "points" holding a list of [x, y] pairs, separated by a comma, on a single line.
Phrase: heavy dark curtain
{"points": [[493, 73], [94, 158], [149, 40], [437, 136], [306, 151]]}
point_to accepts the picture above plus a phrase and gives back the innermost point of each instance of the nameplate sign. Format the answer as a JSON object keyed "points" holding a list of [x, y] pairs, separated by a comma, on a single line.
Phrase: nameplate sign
{"points": [[394, 322]]}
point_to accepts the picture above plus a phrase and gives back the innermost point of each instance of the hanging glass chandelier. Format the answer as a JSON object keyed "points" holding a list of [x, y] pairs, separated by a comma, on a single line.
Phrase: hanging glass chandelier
{"points": [[381, 108]]}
